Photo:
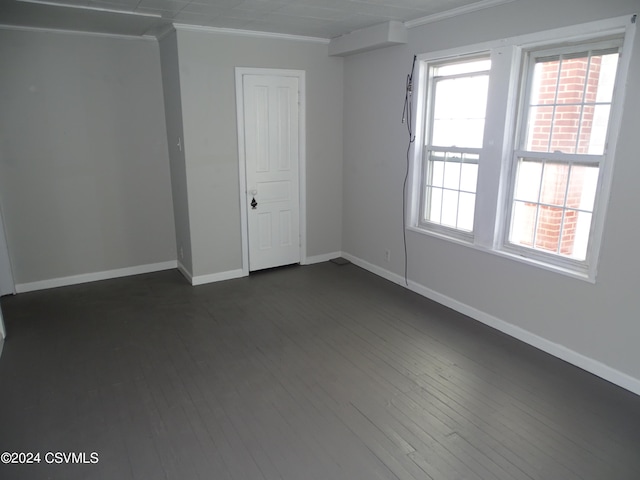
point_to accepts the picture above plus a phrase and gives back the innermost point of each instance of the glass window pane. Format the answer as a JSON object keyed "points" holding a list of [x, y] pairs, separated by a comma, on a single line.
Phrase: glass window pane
{"points": [[566, 122], [459, 111], [583, 183], [528, 180], [554, 183], [469, 177], [560, 227], [466, 210], [458, 132], [433, 199], [545, 79], [437, 172], [523, 223], [569, 223], [443, 132], [539, 129], [605, 72], [573, 75], [548, 228], [449, 208], [581, 88], [593, 135], [582, 231], [452, 172]]}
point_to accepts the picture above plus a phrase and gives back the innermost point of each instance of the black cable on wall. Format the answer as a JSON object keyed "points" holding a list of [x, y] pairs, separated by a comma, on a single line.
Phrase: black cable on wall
{"points": [[407, 115]]}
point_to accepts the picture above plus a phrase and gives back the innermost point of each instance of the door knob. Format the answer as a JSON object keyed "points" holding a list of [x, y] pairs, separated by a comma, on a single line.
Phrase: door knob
{"points": [[253, 192]]}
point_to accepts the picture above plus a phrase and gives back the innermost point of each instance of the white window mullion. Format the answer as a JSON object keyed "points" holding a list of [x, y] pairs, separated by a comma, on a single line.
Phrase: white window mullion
{"points": [[555, 104], [559, 157], [564, 205], [536, 219], [584, 102], [492, 187]]}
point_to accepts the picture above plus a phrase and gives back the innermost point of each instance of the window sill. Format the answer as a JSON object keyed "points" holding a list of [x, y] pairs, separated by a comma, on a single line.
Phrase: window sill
{"points": [[579, 275]]}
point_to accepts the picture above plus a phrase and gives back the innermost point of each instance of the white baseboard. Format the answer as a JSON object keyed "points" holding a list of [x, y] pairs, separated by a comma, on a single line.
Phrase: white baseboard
{"points": [[559, 351], [381, 272], [231, 274], [325, 257], [185, 272], [217, 277], [211, 278], [95, 276]]}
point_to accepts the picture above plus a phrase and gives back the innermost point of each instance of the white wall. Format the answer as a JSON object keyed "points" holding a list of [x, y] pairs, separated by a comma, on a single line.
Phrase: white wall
{"points": [[595, 325], [7, 285], [207, 83], [84, 171], [175, 140]]}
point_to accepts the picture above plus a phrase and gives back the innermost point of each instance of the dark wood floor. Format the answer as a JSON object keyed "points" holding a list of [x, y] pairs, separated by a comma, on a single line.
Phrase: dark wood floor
{"points": [[317, 372]]}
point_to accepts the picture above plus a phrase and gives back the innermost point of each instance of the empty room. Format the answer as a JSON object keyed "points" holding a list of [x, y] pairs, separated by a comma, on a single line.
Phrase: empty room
{"points": [[319, 239]]}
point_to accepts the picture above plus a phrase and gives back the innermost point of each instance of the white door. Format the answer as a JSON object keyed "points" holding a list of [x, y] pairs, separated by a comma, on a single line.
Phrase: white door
{"points": [[271, 143]]}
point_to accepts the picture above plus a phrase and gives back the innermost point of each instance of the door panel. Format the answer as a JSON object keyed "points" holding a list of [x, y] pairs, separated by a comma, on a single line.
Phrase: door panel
{"points": [[272, 163]]}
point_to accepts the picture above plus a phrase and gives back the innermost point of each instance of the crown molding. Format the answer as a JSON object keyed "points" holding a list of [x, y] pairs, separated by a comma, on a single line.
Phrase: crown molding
{"points": [[249, 33], [474, 7], [163, 32], [91, 8], [24, 28]]}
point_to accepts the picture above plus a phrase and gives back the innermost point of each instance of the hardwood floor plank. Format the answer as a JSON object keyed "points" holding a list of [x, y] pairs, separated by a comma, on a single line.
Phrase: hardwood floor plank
{"points": [[320, 372]]}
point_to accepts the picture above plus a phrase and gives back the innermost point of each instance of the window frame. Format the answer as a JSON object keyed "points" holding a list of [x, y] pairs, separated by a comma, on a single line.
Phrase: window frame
{"points": [[503, 132], [602, 161], [430, 147]]}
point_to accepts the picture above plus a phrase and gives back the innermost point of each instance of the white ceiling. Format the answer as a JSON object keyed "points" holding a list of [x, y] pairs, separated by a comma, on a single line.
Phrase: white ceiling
{"points": [[311, 18]]}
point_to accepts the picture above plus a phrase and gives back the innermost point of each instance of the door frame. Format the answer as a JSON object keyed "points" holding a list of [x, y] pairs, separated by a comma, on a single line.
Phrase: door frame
{"points": [[242, 166], [7, 282], [6, 274]]}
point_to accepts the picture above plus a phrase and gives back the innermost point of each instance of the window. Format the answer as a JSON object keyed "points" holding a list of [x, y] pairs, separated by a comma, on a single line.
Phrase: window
{"points": [[456, 117], [517, 144], [562, 144]]}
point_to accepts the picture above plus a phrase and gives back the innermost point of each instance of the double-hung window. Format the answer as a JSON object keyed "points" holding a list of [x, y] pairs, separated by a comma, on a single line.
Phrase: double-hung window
{"points": [[516, 145], [455, 128], [564, 119]]}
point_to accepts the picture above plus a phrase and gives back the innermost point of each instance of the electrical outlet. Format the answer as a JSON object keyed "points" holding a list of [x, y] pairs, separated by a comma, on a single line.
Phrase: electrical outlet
{"points": [[387, 255]]}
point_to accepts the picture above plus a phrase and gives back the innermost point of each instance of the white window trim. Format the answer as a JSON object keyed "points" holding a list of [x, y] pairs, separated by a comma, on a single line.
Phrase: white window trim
{"points": [[495, 176], [428, 126], [602, 161]]}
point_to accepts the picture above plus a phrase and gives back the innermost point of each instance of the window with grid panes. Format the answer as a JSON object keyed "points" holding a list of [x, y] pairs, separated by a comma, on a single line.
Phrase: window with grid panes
{"points": [[562, 144], [517, 144], [454, 135]]}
